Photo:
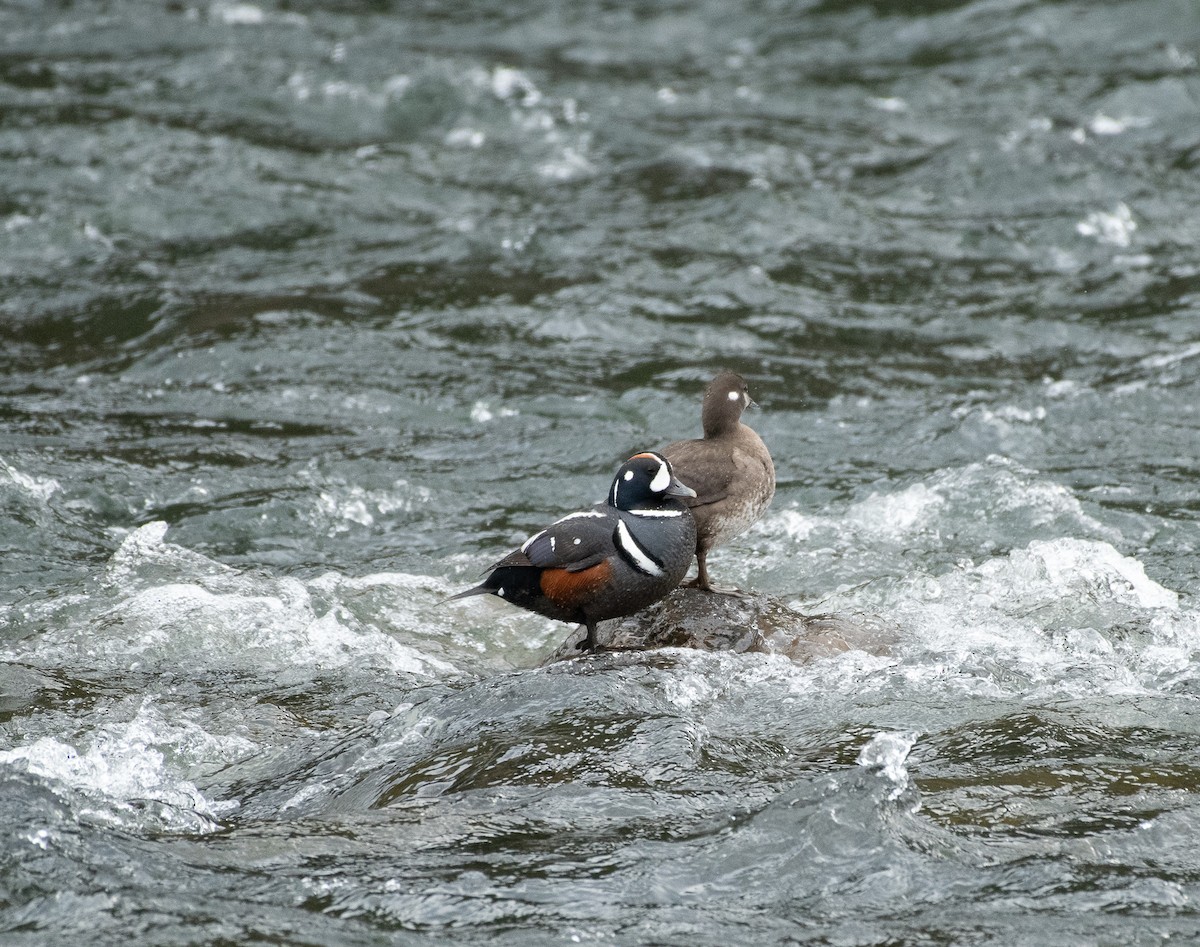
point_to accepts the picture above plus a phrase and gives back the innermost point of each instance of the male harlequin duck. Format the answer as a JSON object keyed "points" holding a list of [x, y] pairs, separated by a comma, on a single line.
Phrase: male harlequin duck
{"points": [[607, 561], [730, 469]]}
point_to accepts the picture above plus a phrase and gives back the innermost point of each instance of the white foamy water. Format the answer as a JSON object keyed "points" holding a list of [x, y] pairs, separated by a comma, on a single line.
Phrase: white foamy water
{"points": [[120, 773], [886, 753], [164, 606], [966, 513], [38, 488], [1061, 618]]}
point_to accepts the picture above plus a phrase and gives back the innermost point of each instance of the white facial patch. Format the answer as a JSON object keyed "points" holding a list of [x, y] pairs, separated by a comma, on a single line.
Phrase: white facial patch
{"points": [[629, 546], [661, 480], [735, 395], [628, 475]]}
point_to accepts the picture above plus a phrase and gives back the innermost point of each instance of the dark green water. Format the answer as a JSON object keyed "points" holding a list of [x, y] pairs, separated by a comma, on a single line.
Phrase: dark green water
{"points": [[309, 312]]}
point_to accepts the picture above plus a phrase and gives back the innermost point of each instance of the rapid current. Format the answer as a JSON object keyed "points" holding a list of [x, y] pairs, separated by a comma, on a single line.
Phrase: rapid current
{"points": [[309, 311]]}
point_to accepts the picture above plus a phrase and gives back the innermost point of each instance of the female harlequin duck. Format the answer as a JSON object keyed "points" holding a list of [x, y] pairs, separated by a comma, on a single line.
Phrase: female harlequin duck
{"points": [[608, 561], [730, 469]]}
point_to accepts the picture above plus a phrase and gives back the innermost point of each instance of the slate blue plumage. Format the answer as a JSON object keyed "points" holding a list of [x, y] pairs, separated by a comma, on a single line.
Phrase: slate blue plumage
{"points": [[607, 561]]}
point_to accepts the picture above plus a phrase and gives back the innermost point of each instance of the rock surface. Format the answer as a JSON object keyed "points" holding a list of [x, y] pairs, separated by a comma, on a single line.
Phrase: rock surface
{"points": [[707, 621]]}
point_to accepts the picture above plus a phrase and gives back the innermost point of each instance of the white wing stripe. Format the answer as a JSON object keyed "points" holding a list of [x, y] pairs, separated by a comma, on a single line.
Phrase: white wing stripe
{"points": [[581, 513], [531, 540]]}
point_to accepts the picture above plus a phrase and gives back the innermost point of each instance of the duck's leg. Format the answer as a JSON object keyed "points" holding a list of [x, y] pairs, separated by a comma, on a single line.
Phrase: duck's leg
{"points": [[702, 581], [589, 640]]}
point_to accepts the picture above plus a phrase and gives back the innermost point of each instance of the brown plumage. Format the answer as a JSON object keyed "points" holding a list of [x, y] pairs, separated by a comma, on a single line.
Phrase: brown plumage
{"points": [[568, 590], [730, 469]]}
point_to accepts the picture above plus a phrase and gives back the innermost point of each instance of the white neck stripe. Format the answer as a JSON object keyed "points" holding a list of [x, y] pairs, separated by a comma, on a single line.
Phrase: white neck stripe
{"points": [[656, 512]]}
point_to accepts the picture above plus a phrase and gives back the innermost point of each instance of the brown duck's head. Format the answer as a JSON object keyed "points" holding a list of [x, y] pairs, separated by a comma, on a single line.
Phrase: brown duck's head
{"points": [[726, 397]]}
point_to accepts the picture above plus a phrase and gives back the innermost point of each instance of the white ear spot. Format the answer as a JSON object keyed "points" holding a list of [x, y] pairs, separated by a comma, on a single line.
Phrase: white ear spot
{"points": [[735, 395], [628, 474], [576, 541], [661, 480]]}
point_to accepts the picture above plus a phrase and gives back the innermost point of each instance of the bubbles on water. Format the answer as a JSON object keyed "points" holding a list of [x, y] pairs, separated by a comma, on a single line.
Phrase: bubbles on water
{"points": [[535, 117], [513, 85], [237, 14], [570, 164], [482, 412], [465, 138], [1115, 227], [345, 510], [1103, 124], [341, 507]]}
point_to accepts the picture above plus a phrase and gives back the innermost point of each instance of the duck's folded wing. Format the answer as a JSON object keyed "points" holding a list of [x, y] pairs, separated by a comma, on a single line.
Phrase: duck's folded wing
{"points": [[693, 466], [575, 542]]}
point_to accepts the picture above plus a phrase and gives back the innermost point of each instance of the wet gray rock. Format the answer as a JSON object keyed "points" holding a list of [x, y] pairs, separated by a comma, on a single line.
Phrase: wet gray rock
{"points": [[707, 621]]}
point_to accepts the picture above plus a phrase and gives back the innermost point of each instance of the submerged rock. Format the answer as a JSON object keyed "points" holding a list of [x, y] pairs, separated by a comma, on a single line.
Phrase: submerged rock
{"points": [[707, 621]]}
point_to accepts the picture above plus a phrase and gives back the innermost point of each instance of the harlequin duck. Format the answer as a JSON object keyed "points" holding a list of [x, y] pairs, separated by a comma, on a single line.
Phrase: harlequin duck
{"points": [[730, 469], [607, 561]]}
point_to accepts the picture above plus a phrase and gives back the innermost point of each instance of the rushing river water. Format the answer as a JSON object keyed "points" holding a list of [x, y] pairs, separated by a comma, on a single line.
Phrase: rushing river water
{"points": [[310, 311]]}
